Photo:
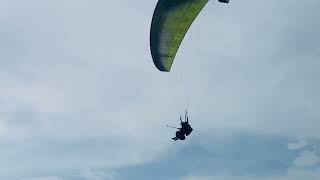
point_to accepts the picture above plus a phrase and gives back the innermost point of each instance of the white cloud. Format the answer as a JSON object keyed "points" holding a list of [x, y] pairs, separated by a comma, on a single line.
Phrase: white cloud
{"points": [[297, 145]]}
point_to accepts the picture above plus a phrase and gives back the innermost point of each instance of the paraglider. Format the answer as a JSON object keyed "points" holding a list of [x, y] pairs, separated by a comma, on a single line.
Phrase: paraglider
{"points": [[170, 23], [185, 129]]}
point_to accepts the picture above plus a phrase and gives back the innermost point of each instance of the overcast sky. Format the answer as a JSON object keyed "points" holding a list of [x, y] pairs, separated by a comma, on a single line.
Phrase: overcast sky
{"points": [[80, 98]]}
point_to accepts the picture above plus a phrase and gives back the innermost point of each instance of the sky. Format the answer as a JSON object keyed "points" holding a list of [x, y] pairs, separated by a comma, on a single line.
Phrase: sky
{"points": [[80, 98]]}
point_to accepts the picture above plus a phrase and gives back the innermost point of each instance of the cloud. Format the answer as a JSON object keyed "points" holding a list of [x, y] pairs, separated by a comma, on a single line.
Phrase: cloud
{"points": [[292, 175], [307, 159], [297, 145], [98, 175], [43, 178], [78, 88], [304, 166]]}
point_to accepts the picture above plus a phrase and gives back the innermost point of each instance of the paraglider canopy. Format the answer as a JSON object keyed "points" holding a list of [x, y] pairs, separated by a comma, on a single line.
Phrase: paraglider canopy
{"points": [[170, 23]]}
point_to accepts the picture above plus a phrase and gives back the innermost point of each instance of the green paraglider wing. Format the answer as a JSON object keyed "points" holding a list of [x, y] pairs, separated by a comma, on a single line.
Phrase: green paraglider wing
{"points": [[171, 21]]}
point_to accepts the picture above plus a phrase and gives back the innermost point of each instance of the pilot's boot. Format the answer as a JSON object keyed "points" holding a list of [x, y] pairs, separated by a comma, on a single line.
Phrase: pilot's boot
{"points": [[175, 138]]}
